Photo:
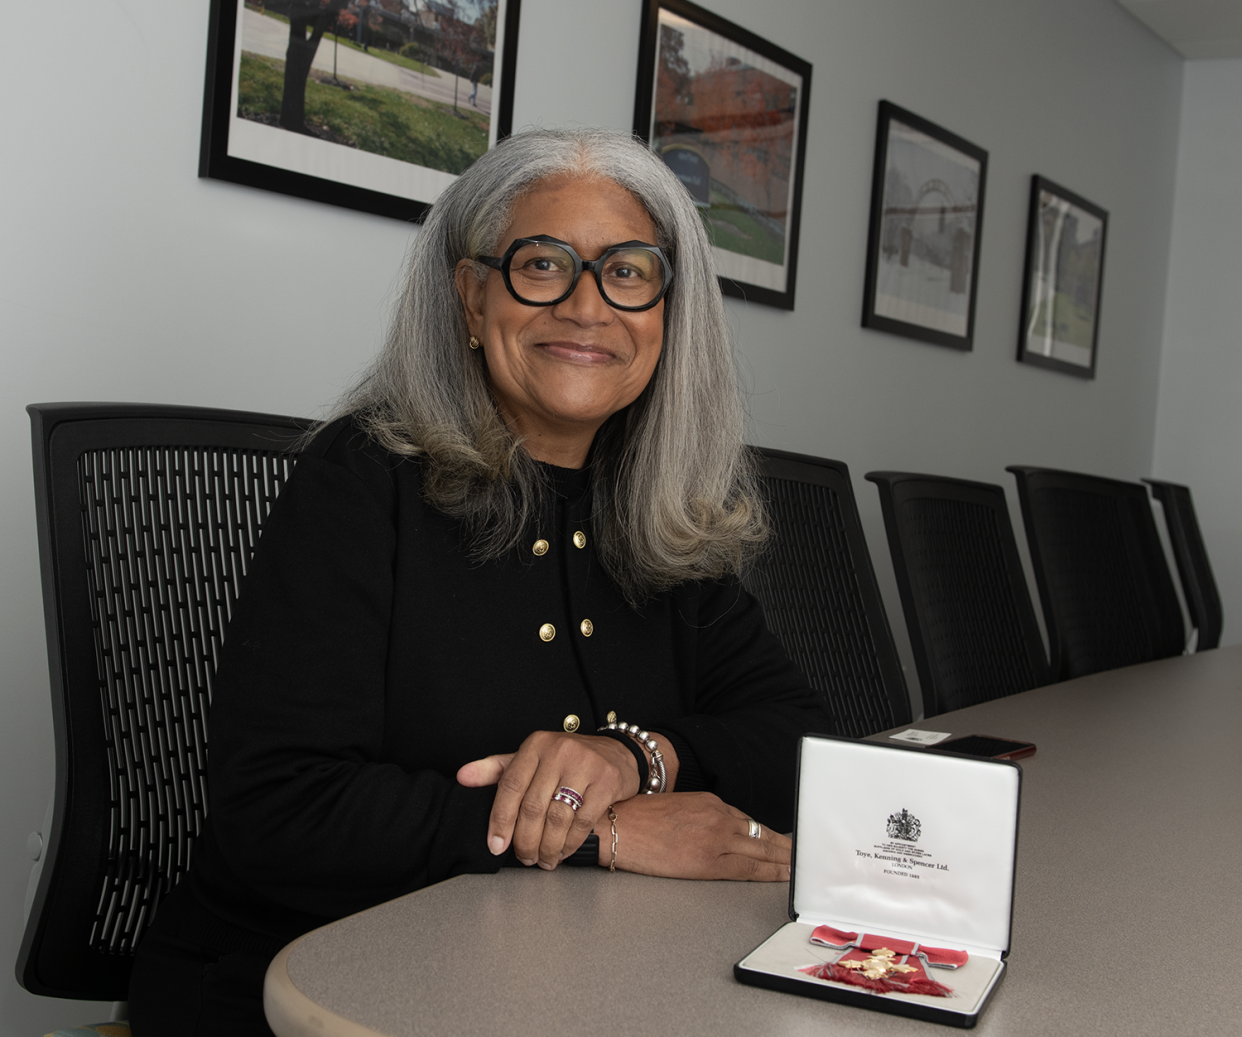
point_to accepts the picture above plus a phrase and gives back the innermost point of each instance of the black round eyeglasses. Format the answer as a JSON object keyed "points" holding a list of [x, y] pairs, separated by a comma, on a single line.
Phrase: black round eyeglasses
{"points": [[542, 271]]}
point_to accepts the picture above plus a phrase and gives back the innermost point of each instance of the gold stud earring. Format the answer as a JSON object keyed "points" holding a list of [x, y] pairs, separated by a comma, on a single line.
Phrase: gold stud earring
{"points": [[474, 342]]}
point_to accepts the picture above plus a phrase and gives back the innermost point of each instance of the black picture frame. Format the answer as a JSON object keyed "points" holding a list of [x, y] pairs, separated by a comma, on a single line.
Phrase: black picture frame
{"points": [[1075, 272], [723, 87], [917, 254], [258, 152]]}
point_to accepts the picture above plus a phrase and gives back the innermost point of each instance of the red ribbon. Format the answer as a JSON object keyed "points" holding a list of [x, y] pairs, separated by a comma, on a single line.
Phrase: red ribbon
{"points": [[839, 940]]}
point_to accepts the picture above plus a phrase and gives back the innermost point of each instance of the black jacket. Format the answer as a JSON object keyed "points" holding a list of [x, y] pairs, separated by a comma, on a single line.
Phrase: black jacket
{"points": [[370, 657]]}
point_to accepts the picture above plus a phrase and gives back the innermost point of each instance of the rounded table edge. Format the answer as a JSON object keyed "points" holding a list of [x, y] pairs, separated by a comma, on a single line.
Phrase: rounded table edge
{"points": [[290, 1013]]}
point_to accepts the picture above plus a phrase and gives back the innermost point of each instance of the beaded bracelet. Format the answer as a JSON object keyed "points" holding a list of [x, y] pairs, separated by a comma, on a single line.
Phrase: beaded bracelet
{"points": [[640, 757], [657, 776]]}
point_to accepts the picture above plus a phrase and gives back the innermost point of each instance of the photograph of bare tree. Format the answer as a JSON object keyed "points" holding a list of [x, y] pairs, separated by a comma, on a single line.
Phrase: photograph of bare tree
{"points": [[1064, 274], [927, 211], [371, 104], [727, 111]]}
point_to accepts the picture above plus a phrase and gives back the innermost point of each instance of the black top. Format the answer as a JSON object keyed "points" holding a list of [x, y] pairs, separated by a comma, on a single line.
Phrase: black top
{"points": [[370, 657]]}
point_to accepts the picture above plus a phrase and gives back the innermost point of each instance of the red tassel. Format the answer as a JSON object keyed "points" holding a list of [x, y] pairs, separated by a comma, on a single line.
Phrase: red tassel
{"points": [[923, 985], [917, 984]]}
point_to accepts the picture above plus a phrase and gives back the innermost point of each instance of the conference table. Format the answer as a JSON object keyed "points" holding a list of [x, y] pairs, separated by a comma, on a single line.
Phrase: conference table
{"points": [[1127, 904]]}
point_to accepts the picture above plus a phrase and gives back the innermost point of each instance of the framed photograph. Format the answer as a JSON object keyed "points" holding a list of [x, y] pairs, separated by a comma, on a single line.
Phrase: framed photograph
{"points": [[375, 105], [727, 110], [1064, 274], [926, 221]]}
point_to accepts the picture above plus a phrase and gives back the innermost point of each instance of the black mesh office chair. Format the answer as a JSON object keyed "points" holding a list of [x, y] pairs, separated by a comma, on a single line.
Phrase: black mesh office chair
{"points": [[147, 518], [967, 606], [1108, 598], [820, 596], [1198, 586]]}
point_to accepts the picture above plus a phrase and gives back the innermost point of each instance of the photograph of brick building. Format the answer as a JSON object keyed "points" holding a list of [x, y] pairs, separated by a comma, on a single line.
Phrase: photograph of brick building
{"points": [[725, 119]]}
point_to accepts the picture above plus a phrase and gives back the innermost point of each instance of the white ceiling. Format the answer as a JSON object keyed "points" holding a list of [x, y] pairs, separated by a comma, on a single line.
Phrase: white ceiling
{"points": [[1194, 28]]}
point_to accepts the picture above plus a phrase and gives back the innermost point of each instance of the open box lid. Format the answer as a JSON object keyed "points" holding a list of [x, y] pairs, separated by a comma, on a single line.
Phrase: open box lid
{"points": [[894, 840]]}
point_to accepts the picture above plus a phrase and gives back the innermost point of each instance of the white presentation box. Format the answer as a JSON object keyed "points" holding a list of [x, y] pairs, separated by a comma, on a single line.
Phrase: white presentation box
{"points": [[904, 843]]}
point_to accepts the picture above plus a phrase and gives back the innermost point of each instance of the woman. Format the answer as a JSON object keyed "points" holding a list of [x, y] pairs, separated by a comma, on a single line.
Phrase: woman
{"points": [[526, 520]]}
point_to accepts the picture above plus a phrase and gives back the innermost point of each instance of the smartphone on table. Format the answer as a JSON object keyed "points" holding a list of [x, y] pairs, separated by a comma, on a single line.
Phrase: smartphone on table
{"points": [[987, 746]]}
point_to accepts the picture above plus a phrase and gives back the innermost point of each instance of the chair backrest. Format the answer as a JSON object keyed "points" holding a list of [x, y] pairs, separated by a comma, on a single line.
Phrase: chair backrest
{"points": [[147, 518], [1198, 585], [1108, 598], [820, 596], [967, 606]]}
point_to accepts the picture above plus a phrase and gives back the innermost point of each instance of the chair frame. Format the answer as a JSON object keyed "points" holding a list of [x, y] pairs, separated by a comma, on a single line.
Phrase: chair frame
{"points": [[55, 958], [1193, 567], [895, 489]]}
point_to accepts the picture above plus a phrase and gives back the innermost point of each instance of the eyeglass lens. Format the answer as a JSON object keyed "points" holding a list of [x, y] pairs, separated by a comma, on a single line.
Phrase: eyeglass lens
{"points": [[542, 272]]}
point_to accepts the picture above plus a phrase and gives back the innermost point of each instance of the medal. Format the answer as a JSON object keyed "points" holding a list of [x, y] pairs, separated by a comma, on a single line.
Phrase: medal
{"points": [[870, 964], [879, 966]]}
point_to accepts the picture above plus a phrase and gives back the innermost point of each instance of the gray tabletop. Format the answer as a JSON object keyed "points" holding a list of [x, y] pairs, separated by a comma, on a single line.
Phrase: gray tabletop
{"points": [[1126, 906]]}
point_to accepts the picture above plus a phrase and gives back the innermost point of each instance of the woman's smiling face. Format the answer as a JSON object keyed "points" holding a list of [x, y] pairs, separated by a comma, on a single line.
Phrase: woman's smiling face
{"points": [[558, 372]]}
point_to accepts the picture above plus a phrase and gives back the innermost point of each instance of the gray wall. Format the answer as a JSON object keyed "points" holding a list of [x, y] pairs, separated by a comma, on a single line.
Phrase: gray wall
{"points": [[124, 277], [1199, 426]]}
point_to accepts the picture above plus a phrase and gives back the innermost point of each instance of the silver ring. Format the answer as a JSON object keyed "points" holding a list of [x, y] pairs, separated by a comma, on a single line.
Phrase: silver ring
{"points": [[756, 829]]}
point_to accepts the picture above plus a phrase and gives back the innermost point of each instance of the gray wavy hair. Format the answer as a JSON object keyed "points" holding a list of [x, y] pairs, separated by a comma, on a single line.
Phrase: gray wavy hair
{"points": [[674, 493]]}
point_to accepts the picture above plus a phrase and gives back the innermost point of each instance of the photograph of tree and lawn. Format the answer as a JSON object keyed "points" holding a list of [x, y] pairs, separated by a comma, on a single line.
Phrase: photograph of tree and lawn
{"points": [[411, 80]]}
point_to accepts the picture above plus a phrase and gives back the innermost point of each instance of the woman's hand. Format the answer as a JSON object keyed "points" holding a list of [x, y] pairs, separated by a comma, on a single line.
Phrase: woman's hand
{"points": [[692, 835], [543, 832]]}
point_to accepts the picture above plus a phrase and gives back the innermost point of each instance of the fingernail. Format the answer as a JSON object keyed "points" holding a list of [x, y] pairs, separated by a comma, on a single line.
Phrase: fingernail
{"points": [[496, 845], [545, 866], [527, 863]]}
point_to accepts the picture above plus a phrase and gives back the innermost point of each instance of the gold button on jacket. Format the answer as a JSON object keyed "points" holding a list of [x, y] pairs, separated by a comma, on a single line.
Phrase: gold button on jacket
{"points": [[540, 547], [579, 539], [547, 632], [587, 628], [572, 723]]}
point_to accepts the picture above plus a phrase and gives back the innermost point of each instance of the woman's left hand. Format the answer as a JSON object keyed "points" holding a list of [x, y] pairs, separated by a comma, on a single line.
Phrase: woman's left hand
{"points": [[692, 835], [543, 832]]}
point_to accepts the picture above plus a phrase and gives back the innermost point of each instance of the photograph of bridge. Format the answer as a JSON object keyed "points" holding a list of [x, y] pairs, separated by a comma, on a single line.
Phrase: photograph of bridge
{"points": [[925, 230]]}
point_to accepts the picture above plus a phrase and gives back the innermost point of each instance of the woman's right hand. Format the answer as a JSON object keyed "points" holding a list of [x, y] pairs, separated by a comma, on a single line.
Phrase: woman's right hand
{"points": [[692, 835], [544, 831]]}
